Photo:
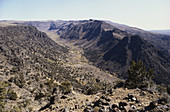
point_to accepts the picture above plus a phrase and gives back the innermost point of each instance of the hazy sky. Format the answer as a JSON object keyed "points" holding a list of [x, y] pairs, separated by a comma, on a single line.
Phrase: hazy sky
{"points": [[145, 14]]}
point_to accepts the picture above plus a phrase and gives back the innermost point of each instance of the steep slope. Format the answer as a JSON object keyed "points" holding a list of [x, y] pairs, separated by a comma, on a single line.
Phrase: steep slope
{"points": [[35, 72], [113, 49], [162, 41], [28, 58]]}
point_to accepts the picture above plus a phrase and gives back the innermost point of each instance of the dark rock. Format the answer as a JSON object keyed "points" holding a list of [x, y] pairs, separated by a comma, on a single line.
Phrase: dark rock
{"points": [[63, 97], [52, 99], [76, 106], [107, 99], [52, 27], [151, 106], [121, 105], [88, 109], [63, 110], [131, 98], [114, 106], [133, 107], [110, 91], [97, 103], [168, 89], [162, 101], [143, 93]]}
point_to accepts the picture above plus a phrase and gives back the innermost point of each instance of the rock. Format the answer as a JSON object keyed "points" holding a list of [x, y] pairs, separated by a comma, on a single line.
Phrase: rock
{"points": [[143, 93], [151, 92], [151, 106], [88, 109], [127, 108], [98, 103], [114, 106], [101, 102], [122, 105], [131, 97], [52, 99], [76, 106], [133, 107], [63, 97], [63, 110], [162, 101], [110, 91], [107, 99]]}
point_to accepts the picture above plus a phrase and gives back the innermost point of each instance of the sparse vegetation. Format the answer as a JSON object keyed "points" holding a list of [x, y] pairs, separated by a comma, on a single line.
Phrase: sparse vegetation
{"points": [[12, 95], [66, 87], [37, 74], [19, 80], [3, 93]]}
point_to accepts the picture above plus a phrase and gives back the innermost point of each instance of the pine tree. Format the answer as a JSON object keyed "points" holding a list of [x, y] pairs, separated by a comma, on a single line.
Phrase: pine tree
{"points": [[138, 77]]}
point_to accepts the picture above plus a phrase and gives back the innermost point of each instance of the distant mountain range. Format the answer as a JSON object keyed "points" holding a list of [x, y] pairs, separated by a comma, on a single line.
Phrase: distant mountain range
{"points": [[166, 32], [161, 40]]}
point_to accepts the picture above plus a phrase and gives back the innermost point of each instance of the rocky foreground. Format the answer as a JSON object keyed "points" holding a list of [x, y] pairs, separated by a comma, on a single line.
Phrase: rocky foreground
{"points": [[114, 100]]}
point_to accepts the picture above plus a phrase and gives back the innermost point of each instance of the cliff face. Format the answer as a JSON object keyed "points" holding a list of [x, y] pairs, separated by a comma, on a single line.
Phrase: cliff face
{"points": [[113, 49]]}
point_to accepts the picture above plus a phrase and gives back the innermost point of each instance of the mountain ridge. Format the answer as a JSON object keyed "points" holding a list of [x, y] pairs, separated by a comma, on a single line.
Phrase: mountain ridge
{"points": [[40, 73], [115, 41]]}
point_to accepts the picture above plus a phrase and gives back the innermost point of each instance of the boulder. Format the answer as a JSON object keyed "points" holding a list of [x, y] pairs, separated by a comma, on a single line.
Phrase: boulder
{"points": [[88, 109], [122, 106], [151, 106]]}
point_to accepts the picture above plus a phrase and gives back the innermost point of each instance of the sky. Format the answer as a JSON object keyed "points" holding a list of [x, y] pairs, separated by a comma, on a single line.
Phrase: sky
{"points": [[145, 14]]}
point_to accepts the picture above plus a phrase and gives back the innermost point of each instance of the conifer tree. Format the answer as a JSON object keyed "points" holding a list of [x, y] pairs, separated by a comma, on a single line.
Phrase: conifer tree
{"points": [[138, 77]]}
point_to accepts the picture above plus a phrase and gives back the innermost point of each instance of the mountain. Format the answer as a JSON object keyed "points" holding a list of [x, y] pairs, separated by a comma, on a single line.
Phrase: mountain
{"points": [[165, 32], [39, 74], [113, 49], [160, 40]]}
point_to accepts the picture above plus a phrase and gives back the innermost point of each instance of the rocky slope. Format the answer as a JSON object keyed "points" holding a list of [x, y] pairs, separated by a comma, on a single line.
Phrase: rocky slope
{"points": [[161, 40], [34, 70], [112, 49], [37, 74]]}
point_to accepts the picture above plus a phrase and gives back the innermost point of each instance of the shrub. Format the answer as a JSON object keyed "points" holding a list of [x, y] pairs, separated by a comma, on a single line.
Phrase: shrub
{"points": [[39, 96], [12, 95], [119, 84], [138, 77], [19, 80], [3, 93], [65, 87]]}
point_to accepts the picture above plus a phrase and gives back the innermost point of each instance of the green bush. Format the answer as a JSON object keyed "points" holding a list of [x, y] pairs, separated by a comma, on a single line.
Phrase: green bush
{"points": [[12, 95], [138, 77], [3, 93]]}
